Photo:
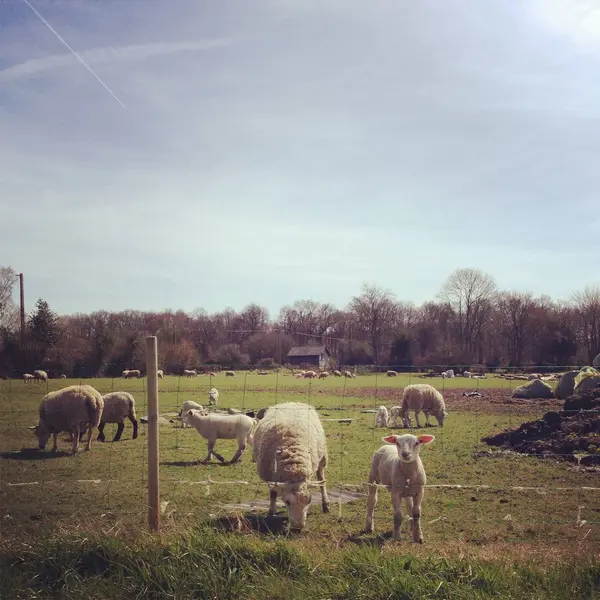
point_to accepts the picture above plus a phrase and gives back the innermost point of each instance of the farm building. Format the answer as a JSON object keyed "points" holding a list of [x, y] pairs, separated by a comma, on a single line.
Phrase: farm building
{"points": [[316, 356]]}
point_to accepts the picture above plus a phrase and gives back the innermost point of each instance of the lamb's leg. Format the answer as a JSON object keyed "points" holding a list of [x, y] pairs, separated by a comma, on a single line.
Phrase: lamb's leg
{"points": [[101, 437], [211, 445], [371, 504], [239, 452], [54, 442], [416, 516], [324, 495], [272, 502], [120, 427], [135, 427], [397, 504]]}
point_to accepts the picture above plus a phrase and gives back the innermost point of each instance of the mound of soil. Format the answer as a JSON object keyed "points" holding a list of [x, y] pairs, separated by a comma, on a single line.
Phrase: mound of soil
{"points": [[574, 429]]}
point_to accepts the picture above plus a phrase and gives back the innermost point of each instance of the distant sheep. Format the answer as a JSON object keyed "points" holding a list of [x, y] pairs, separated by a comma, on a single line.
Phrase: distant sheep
{"points": [[229, 373], [40, 375], [160, 373], [468, 374], [323, 375], [117, 406], [62, 376], [213, 397], [28, 377], [337, 373], [69, 409], [133, 373], [398, 466], [216, 426], [211, 374], [381, 417], [290, 447], [347, 374], [125, 373], [310, 375], [190, 373], [423, 397], [187, 406], [391, 374], [449, 374]]}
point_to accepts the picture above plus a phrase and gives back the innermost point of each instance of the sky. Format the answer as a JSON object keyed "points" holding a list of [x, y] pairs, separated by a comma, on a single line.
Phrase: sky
{"points": [[213, 153]]}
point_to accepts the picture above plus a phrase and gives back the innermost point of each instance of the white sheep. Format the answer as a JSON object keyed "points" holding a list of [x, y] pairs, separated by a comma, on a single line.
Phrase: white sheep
{"points": [[160, 373], [289, 448], [190, 373], [117, 406], [323, 375], [391, 374], [449, 374], [398, 466], [423, 397], [28, 377], [337, 373], [229, 374], [70, 409], [125, 373], [133, 373], [217, 426], [381, 417], [310, 374], [468, 374], [347, 375], [395, 414], [185, 407], [213, 397], [40, 375]]}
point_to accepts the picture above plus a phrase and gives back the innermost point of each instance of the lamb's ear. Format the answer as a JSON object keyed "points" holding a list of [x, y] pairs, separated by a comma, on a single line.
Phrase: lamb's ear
{"points": [[426, 439], [389, 439]]}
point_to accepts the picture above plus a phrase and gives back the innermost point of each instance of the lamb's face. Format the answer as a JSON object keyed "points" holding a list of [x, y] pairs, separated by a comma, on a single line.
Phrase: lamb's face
{"points": [[408, 445], [297, 501]]}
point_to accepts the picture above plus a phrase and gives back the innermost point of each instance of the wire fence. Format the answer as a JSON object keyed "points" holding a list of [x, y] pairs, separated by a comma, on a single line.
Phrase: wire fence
{"points": [[536, 484]]}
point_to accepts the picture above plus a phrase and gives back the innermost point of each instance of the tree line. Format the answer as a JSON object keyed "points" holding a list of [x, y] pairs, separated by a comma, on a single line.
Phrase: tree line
{"points": [[470, 322]]}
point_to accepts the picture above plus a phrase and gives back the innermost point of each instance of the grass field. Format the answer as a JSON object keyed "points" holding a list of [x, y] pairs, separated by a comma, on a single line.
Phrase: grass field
{"points": [[491, 513]]}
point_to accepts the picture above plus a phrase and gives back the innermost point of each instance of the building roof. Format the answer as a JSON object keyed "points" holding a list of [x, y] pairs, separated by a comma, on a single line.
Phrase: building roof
{"points": [[308, 351]]}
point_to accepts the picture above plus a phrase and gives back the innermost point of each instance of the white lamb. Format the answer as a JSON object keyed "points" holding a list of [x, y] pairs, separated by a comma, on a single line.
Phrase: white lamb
{"points": [[289, 448], [217, 426], [185, 408], [190, 373], [117, 406], [28, 377], [423, 397], [395, 415], [398, 466], [133, 373], [70, 409], [40, 375], [381, 417], [213, 397], [160, 373]]}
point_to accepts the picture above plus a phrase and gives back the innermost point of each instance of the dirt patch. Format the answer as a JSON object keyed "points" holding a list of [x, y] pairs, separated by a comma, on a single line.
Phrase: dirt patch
{"points": [[575, 429]]}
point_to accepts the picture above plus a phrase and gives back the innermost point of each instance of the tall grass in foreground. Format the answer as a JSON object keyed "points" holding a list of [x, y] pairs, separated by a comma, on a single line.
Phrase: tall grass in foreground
{"points": [[210, 564]]}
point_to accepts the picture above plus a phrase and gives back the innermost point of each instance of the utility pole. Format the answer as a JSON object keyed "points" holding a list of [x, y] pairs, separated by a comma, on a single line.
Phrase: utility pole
{"points": [[22, 309]]}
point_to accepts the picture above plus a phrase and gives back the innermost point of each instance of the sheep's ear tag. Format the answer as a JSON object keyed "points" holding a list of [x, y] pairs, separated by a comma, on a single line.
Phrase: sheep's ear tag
{"points": [[390, 439], [426, 439]]}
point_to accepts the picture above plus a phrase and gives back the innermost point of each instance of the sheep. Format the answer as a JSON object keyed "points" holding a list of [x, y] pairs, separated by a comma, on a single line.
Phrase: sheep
{"points": [[299, 375], [289, 447], [185, 407], [381, 418], [211, 374], [117, 406], [62, 376], [347, 375], [215, 426], [423, 397], [28, 377], [398, 466], [160, 373], [69, 409], [449, 373], [310, 375], [229, 374], [213, 397], [323, 375], [40, 375], [395, 414], [190, 373], [468, 374], [133, 373], [125, 373], [337, 373], [391, 374]]}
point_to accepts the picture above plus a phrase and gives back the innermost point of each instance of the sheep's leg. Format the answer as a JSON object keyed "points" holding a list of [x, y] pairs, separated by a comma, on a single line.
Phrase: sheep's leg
{"points": [[101, 437], [324, 495], [427, 423], [54, 442], [120, 427], [397, 504], [417, 418], [88, 444], [239, 452], [371, 504], [272, 502], [75, 442], [416, 516], [135, 427]]}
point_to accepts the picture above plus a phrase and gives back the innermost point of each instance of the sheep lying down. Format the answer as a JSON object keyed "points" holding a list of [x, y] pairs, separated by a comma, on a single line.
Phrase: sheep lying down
{"points": [[214, 426]]}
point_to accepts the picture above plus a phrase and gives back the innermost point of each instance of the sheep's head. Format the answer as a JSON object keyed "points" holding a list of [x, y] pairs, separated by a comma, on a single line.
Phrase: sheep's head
{"points": [[42, 434], [441, 416], [408, 445], [297, 498]]}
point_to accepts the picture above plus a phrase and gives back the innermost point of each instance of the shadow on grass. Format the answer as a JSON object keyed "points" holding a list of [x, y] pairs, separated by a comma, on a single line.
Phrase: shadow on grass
{"points": [[33, 454], [193, 463], [275, 525], [368, 540]]}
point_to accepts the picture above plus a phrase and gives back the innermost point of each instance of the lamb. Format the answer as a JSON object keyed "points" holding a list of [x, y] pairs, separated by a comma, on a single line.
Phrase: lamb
{"points": [[215, 426], [160, 373], [395, 413], [423, 397], [71, 409], [185, 407], [289, 447], [213, 397], [28, 377], [381, 417], [125, 373], [40, 375], [398, 466], [117, 406]]}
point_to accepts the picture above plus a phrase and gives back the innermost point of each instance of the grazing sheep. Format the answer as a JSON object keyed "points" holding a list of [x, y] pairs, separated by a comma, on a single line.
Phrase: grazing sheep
{"points": [[289, 448], [347, 375], [337, 373], [211, 374], [395, 414], [310, 375], [117, 406], [381, 417], [133, 373], [125, 373], [28, 377], [62, 376], [229, 374], [216, 426], [70, 409], [299, 375], [391, 374], [398, 466], [449, 374], [213, 397], [423, 397], [190, 373], [160, 373], [323, 375], [185, 407], [40, 375]]}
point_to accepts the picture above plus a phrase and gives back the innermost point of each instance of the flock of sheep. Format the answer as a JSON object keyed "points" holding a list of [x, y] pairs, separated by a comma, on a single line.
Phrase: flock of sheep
{"points": [[288, 442]]}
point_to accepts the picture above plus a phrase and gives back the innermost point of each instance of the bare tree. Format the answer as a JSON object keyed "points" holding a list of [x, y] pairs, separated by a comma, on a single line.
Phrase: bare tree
{"points": [[587, 307], [375, 312], [515, 314], [470, 293]]}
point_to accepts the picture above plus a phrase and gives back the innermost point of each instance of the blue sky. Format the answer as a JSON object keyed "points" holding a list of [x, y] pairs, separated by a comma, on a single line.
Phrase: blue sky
{"points": [[274, 150]]}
